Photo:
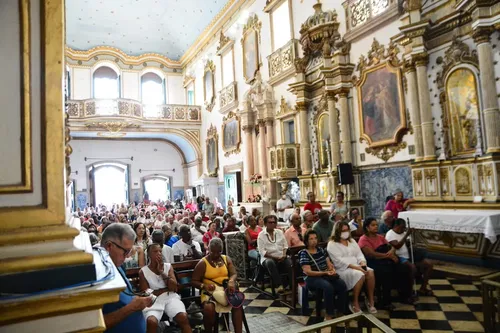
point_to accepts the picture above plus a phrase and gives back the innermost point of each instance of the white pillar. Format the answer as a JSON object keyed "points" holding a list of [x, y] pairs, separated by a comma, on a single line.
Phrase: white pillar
{"points": [[421, 62]]}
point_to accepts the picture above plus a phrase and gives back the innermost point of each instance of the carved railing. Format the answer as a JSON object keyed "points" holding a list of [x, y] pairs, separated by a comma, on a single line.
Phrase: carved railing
{"points": [[90, 108], [285, 160], [228, 97], [281, 62]]}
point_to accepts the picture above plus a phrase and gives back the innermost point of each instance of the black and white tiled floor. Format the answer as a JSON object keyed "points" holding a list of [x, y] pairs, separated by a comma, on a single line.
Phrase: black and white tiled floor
{"points": [[456, 307]]}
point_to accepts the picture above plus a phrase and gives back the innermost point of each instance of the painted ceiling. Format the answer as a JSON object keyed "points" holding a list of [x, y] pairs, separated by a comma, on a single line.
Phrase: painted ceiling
{"points": [[167, 27]]}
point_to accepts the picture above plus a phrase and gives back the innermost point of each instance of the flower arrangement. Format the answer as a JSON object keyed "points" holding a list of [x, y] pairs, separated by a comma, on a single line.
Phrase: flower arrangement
{"points": [[254, 179]]}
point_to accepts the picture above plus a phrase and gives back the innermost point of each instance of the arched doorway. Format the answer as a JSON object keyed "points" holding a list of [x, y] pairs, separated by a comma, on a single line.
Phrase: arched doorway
{"points": [[158, 188], [109, 184]]}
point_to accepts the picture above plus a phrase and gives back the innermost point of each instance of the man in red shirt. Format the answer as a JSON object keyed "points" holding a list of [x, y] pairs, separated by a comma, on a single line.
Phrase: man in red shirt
{"points": [[312, 205]]}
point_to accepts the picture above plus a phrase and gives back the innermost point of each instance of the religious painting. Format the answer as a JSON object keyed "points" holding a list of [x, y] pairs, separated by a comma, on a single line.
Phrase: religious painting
{"points": [[323, 132], [382, 114], [463, 111], [231, 134], [209, 85], [250, 43], [212, 153]]}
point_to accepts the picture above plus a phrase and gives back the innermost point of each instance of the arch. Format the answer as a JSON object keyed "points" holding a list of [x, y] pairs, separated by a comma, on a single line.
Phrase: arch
{"points": [[93, 168], [106, 63], [168, 180], [153, 70]]}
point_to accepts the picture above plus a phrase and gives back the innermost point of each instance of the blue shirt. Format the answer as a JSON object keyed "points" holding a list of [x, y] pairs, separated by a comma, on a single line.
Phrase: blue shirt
{"points": [[319, 259], [135, 322], [172, 241]]}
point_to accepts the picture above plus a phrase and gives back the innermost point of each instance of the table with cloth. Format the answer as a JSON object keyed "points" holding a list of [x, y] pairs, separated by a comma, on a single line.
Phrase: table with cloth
{"points": [[456, 231]]}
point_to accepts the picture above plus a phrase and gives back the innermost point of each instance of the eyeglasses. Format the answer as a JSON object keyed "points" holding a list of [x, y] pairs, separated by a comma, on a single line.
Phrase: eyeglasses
{"points": [[125, 251]]}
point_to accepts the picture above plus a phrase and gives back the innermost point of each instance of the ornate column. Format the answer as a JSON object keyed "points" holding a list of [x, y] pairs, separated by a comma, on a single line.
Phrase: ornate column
{"points": [[488, 88], [345, 128], [249, 170], [305, 146], [421, 61], [413, 107], [255, 153], [262, 146], [334, 130], [269, 134]]}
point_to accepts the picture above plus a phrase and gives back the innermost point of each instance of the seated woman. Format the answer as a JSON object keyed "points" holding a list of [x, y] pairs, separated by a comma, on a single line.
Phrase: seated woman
{"points": [[382, 258], [351, 265], [272, 247], [251, 235], [209, 275], [160, 277], [211, 233], [397, 238], [320, 274]]}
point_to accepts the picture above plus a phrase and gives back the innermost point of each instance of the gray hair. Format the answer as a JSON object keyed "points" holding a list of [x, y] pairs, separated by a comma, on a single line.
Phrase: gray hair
{"points": [[385, 215], [216, 241], [117, 232]]}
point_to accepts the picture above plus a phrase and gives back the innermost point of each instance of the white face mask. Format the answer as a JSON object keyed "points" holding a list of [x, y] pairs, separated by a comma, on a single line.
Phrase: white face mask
{"points": [[344, 235]]}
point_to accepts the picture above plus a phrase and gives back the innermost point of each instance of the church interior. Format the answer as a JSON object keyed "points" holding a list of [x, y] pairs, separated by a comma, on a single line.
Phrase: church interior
{"points": [[244, 127]]}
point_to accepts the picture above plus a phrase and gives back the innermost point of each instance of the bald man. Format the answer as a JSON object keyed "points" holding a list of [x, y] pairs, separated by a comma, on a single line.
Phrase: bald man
{"points": [[293, 235]]}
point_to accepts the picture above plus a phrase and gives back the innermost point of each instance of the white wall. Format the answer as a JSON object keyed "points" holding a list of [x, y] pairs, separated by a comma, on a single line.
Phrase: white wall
{"points": [[81, 83], [175, 90], [148, 155], [131, 85]]}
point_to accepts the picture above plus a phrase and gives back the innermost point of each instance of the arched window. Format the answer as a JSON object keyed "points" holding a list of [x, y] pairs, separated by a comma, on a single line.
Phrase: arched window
{"points": [[153, 92], [106, 83]]}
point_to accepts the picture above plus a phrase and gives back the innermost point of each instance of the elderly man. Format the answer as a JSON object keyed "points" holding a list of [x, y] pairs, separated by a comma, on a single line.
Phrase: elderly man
{"points": [[198, 230], [126, 314], [293, 234], [208, 207], [387, 222], [308, 221], [170, 239], [324, 226]]}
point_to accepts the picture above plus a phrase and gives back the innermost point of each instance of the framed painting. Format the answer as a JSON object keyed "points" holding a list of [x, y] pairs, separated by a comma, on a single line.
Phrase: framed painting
{"points": [[382, 115], [212, 153], [209, 85], [231, 134], [250, 43]]}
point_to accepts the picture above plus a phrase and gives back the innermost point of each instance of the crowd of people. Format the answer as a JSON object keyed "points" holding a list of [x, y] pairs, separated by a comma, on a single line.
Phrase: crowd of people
{"points": [[341, 252]]}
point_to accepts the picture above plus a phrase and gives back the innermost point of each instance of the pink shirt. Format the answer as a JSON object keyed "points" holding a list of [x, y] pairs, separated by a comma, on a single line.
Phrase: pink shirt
{"points": [[372, 242], [292, 237], [395, 207], [207, 237]]}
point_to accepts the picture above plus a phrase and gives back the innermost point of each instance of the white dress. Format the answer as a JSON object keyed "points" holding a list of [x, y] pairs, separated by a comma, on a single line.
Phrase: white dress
{"points": [[342, 256]]}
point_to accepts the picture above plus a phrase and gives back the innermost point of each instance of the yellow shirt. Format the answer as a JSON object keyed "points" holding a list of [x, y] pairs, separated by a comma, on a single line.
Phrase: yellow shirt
{"points": [[214, 274]]}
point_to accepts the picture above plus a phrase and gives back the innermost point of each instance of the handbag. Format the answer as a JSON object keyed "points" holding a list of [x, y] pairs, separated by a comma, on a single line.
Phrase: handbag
{"points": [[384, 248], [327, 277]]}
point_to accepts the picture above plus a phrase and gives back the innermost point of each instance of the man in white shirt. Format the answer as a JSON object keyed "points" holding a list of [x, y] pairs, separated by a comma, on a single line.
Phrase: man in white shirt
{"points": [[198, 230], [141, 218], [272, 246], [185, 248], [356, 223], [283, 203]]}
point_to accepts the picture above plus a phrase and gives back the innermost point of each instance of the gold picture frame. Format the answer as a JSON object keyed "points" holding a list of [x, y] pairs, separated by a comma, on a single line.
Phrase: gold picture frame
{"points": [[212, 151], [231, 134], [25, 106], [250, 43], [381, 105], [209, 85]]}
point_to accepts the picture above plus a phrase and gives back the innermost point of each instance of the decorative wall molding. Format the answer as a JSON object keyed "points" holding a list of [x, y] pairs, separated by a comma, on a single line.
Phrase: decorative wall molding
{"points": [[281, 62], [285, 111], [225, 43], [228, 98], [209, 85]]}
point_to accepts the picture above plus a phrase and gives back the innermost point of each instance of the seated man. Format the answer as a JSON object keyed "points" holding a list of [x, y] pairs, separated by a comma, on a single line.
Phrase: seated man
{"points": [[293, 234], [126, 314], [272, 246], [231, 225], [159, 276], [158, 237], [356, 224], [198, 230], [185, 248], [387, 222], [308, 221], [170, 239]]}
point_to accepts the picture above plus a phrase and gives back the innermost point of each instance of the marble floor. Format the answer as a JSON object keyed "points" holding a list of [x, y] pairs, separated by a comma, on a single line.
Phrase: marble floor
{"points": [[456, 307]]}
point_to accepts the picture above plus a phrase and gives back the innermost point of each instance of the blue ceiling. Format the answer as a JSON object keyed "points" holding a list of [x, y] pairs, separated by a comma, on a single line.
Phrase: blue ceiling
{"points": [[167, 27]]}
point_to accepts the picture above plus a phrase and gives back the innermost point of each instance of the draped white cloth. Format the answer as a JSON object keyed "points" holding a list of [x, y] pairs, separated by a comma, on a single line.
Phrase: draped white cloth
{"points": [[486, 222]]}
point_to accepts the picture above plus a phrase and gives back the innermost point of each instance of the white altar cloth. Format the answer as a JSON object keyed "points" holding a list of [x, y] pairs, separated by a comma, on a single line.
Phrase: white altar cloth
{"points": [[485, 222]]}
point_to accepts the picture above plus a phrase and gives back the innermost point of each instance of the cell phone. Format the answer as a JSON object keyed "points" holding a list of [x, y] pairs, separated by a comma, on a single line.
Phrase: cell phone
{"points": [[364, 268]]}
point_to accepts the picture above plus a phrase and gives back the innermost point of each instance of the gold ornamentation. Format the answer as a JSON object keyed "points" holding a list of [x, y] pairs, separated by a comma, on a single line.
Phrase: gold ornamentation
{"points": [[187, 80], [417, 182], [224, 43], [482, 35], [228, 97], [377, 54], [212, 151], [209, 85], [273, 159], [281, 62], [67, 150], [457, 53], [113, 127], [385, 153], [463, 182], [449, 239], [251, 48], [444, 182], [231, 134], [24, 107], [290, 158]]}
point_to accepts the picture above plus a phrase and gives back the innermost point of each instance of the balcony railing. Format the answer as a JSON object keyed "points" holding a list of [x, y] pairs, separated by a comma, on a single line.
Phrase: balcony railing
{"points": [[285, 160], [228, 97], [89, 108], [281, 62]]}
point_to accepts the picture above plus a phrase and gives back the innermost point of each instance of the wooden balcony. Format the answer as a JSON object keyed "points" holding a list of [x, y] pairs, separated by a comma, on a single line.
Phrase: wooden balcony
{"points": [[285, 161]]}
